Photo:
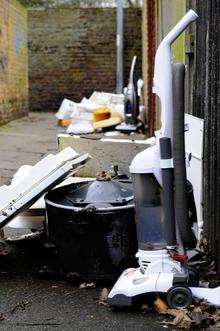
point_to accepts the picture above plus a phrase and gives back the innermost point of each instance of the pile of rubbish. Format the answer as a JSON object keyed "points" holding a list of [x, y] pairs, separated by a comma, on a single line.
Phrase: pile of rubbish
{"points": [[99, 111], [105, 110]]}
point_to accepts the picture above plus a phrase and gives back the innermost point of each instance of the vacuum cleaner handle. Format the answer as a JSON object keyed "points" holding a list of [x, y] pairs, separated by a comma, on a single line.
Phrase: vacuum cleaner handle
{"points": [[180, 27], [163, 74], [131, 75]]}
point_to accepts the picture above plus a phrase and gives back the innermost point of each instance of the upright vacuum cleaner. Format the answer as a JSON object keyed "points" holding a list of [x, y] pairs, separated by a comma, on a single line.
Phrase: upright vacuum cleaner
{"points": [[131, 102], [159, 178]]}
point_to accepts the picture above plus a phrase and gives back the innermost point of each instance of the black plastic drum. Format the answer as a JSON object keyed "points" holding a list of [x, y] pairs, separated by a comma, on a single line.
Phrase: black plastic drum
{"points": [[92, 225]]}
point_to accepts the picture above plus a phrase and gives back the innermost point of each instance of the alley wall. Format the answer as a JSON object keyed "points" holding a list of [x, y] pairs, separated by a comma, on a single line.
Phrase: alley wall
{"points": [[72, 52], [13, 60]]}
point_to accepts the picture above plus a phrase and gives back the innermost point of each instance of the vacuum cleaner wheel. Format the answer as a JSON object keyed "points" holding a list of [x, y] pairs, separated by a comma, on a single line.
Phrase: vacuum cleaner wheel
{"points": [[179, 297]]}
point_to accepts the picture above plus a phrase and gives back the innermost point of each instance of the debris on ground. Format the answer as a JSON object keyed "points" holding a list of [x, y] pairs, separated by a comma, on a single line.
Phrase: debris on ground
{"points": [[26, 237], [80, 127], [63, 122], [198, 315], [180, 318], [2, 317], [73, 278], [67, 293], [103, 297], [45, 271], [20, 305], [160, 306], [145, 308], [87, 285], [55, 286]]}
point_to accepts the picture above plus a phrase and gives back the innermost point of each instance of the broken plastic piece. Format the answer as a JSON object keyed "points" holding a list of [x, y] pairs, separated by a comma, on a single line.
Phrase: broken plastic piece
{"points": [[43, 176], [81, 127], [102, 113], [112, 121]]}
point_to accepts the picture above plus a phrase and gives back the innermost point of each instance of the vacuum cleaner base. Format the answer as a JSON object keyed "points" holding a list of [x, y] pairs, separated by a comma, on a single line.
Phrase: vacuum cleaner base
{"points": [[134, 283]]}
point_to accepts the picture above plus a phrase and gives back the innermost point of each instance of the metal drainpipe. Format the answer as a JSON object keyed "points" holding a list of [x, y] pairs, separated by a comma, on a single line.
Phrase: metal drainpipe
{"points": [[119, 44]]}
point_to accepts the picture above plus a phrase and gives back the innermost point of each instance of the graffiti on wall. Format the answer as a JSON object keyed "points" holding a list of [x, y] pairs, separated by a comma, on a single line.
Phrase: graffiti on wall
{"points": [[20, 35]]}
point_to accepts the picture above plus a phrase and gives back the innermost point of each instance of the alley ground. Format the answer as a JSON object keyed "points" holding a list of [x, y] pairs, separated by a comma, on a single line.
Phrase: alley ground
{"points": [[31, 302], [26, 140]]}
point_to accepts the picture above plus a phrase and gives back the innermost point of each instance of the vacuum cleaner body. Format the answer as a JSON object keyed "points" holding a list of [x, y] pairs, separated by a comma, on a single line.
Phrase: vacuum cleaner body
{"points": [[162, 267], [131, 102]]}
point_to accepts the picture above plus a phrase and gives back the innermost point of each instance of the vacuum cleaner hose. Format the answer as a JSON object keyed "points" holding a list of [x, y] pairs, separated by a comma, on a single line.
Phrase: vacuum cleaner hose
{"points": [[181, 207], [168, 193]]}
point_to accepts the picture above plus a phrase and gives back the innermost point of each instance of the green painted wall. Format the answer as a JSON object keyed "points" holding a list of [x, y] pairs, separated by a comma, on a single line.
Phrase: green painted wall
{"points": [[169, 13]]}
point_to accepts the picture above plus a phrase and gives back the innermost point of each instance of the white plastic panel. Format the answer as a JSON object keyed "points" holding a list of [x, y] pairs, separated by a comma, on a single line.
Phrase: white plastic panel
{"points": [[42, 176], [194, 148], [212, 295]]}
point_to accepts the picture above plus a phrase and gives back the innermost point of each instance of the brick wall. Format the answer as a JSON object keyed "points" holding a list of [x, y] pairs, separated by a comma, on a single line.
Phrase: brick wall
{"points": [[72, 52], [13, 60]]}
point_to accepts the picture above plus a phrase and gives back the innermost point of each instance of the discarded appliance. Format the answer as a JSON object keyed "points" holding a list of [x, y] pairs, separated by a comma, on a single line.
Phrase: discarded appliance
{"points": [[194, 131], [40, 178], [92, 226], [34, 217], [163, 229], [131, 103]]}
